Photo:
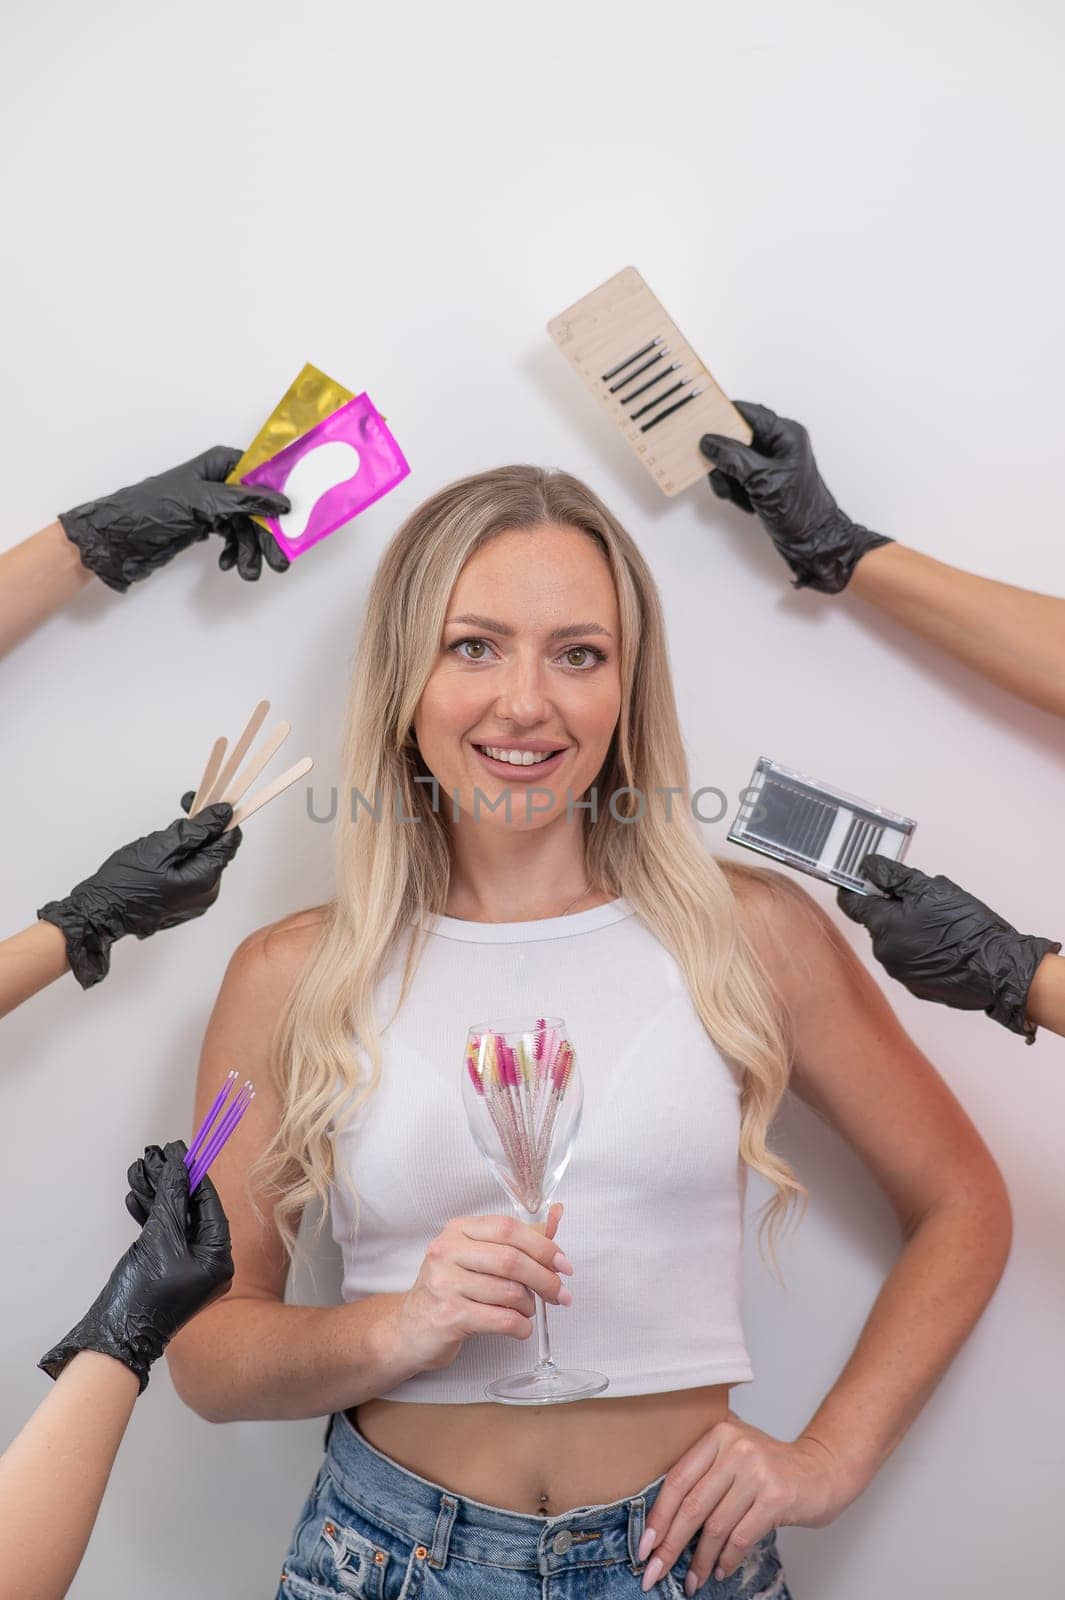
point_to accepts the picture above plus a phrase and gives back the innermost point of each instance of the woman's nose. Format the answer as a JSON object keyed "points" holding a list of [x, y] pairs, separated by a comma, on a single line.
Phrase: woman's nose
{"points": [[522, 695]]}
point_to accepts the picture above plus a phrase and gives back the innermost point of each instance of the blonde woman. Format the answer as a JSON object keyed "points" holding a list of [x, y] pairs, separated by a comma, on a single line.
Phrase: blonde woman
{"points": [[512, 668]]}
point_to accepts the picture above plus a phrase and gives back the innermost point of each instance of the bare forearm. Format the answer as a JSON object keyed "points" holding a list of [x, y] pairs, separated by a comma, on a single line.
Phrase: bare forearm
{"points": [[53, 1476], [1012, 636], [930, 1301], [1046, 997], [28, 962], [37, 577], [258, 1360]]}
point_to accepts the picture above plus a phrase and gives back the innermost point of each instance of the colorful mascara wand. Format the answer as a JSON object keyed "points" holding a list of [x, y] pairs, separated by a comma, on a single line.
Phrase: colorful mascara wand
{"points": [[209, 1140], [523, 1086]]}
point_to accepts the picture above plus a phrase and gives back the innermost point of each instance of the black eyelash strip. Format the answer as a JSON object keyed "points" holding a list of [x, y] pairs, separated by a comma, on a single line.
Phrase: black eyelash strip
{"points": [[664, 396], [614, 387], [630, 359], [668, 412], [674, 366]]}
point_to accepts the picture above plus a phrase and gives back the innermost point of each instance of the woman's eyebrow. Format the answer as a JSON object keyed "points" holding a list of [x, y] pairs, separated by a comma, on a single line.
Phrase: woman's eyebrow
{"points": [[572, 630]]}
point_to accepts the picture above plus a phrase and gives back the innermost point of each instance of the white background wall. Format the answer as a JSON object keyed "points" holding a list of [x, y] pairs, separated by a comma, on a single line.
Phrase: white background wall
{"points": [[855, 212]]}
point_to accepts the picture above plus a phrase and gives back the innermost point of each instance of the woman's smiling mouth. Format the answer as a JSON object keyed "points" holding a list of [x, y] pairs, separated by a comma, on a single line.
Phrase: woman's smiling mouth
{"points": [[521, 761]]}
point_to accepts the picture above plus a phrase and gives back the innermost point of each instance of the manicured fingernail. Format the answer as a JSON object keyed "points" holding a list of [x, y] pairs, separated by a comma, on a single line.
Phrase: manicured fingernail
{"points": [[719, 1574], [689, 1584], [562, 1263], [650, 1577], [565, 1298], [647, 1543]]}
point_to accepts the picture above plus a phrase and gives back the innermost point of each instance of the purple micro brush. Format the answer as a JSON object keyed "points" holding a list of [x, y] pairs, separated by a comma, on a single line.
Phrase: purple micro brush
{"points": [[205, 1126], [221, 1134]]}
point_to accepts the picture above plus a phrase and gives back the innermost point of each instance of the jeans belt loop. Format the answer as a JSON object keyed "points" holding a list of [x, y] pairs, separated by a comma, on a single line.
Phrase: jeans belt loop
{"points": [[442, 1532], [637, 1511]]}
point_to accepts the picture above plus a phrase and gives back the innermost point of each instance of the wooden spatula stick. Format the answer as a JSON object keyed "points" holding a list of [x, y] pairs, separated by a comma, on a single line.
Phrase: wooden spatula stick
{"points": [[210, 773], [239, 751], [270, 792]]}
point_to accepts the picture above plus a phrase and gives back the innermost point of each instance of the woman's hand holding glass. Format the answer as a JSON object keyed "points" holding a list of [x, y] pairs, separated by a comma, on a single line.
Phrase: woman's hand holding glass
{"points": [[479, 1275], [738, 1484]]}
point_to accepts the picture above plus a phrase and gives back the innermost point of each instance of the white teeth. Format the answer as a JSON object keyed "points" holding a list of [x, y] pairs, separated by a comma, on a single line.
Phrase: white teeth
{"points": [[518, 758]]}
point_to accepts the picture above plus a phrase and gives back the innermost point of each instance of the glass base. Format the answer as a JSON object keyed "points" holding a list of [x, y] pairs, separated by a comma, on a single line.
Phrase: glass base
{"points": [[545, 1386]]}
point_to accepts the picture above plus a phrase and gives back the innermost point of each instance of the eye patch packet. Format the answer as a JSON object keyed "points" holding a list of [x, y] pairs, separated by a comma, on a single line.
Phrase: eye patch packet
{"points": [[330, 473]]}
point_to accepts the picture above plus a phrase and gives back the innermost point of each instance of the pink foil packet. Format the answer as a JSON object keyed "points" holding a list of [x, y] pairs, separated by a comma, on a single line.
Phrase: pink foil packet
{"points": [[330, 474]]}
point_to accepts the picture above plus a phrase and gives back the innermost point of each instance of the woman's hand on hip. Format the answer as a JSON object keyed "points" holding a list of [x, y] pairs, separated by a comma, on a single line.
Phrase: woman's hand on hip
{"points": [[737, 1484]]}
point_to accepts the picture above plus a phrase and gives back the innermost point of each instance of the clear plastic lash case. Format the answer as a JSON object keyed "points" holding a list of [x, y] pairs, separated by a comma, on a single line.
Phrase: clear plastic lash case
{"points": [[815, 828]]}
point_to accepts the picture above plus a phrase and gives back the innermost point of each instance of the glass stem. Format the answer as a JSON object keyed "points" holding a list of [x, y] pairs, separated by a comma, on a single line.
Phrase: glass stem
{"points": [[544, 1363], [543, 1343]]}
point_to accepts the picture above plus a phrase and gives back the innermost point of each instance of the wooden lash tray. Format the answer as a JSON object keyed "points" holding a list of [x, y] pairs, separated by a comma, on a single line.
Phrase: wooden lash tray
{"points": [[622, 324]]}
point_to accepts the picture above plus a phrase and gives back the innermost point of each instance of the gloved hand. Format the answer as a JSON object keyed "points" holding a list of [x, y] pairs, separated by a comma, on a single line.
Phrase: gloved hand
{"points": [[143, 1179], [180, 1263], [777, 477], [946, 945], [127, 535], [163, 879]]}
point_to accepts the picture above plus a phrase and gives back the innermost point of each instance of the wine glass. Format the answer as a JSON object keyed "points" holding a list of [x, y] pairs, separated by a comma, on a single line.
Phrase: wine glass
{"points": [[523, 1098]]}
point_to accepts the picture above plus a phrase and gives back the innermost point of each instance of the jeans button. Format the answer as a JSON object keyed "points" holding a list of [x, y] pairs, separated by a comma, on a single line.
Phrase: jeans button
{"points": [[561, 1542]]}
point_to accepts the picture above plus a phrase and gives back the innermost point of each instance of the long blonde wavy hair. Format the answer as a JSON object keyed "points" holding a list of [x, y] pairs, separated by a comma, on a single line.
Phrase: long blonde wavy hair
{"points": [[389, 872]]}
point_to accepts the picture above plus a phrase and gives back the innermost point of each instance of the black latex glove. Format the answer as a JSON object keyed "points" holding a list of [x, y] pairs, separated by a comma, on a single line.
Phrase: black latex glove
{"points": [[776, 476], [157, 882], [946, 945], [129, 534], [179, 1264], [143, 1178]]}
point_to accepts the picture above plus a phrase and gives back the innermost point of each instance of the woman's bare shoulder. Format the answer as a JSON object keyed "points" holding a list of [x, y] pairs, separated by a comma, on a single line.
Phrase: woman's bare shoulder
{"points": [[269, 961], [289, 939], [776, 913], [802, 952]]}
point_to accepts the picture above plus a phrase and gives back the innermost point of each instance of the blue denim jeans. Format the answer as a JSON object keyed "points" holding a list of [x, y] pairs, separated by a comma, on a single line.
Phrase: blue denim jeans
{"points": [[372, 1529]]}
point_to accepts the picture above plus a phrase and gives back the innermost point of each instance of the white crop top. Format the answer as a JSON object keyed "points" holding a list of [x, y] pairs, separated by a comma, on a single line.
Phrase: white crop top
{"points": [[654, 1189]]}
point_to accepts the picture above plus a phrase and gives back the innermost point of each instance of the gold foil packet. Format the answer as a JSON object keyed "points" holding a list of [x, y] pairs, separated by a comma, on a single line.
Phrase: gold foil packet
{"points": [[309, 400]]}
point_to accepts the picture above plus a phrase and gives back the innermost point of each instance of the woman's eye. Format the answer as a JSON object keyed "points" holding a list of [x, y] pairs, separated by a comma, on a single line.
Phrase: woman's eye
{"points": [[477, 644], [586, 650]]}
